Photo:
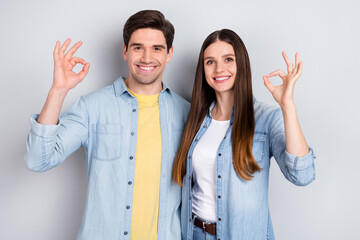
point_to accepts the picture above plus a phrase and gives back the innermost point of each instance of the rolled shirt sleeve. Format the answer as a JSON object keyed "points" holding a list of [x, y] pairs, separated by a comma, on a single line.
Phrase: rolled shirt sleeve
{"points": [[298, 170], [49, 145]]}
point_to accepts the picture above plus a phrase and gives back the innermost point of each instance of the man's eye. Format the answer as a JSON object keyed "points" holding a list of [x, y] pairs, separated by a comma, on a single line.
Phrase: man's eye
{"points": [[157, 49], [137, 48]]}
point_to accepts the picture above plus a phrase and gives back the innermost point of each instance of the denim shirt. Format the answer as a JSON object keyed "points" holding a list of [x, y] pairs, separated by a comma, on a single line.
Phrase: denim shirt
{"points": [[242, 206], [105, 124]]}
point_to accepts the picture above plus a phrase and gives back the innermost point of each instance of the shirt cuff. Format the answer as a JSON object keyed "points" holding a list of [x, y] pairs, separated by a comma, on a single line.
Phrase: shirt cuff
{"points": [[299, 163], [42, 130]]}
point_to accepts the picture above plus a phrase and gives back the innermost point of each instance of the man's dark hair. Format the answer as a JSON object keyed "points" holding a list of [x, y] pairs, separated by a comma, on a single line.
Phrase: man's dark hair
{"points": [[149, 19]]}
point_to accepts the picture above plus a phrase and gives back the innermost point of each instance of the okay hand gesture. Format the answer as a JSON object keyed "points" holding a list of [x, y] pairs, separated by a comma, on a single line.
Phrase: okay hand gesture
{"points": [[64, 76], [284, 93]]}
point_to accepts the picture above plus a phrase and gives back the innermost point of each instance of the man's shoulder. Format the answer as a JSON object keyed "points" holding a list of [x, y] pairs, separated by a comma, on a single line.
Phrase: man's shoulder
{"points": [[107, 92]]}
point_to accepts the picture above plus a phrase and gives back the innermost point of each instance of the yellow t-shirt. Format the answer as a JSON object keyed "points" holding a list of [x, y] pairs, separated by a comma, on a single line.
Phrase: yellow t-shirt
{"points": [[146, 195]]}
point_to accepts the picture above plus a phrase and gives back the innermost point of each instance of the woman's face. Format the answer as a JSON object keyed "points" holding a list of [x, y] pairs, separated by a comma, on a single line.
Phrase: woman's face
{"points": [[220, 66]]}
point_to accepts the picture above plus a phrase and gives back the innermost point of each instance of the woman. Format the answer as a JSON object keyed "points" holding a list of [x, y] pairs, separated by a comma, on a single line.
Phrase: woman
{"points": [[224, 159]]}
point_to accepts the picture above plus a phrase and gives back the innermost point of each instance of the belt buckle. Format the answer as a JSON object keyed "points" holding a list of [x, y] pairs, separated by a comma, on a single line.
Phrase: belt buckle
{"points": [[204, 224]]}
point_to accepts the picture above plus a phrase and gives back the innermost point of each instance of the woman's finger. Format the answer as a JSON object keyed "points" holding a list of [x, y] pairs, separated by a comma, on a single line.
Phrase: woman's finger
{"points": [[279, 73], [268, 84], [299, 71], [290, 66]]}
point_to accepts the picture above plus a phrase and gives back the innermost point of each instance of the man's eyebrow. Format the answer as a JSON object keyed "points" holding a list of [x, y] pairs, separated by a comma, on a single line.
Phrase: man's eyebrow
{"points": [[226, 55], [136, 44], [155, 46], [159, 46]]}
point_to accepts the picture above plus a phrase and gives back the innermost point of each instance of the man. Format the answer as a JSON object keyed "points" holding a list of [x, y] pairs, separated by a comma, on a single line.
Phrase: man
{"points": [[130, 131]]}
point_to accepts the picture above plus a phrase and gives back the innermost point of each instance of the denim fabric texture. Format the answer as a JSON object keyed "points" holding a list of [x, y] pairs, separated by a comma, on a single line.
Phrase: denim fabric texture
{"points": [[105, 124], [199, 234], [242, 206]]}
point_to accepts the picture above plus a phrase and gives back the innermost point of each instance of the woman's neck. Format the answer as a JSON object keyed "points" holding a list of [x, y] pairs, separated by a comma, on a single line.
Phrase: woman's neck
{"points": [[223, 107]]}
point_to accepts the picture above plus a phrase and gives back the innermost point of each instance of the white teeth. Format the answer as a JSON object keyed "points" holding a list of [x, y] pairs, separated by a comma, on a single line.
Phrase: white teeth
{"points": [[221, 78], [146, 68]]}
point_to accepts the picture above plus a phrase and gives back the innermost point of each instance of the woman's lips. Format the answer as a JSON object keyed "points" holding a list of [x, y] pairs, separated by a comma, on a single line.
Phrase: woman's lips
{"points": [[221, 78]]}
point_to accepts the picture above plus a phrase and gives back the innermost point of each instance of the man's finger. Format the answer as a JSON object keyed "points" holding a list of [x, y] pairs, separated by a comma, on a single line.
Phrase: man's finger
{"points": [[64, 46], [84, 71], [56, 49], [72, 50], [76, 60]]}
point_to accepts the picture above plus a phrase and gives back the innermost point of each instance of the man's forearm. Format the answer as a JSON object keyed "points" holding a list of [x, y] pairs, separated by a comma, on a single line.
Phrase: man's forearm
{"points": [[52, 107]]}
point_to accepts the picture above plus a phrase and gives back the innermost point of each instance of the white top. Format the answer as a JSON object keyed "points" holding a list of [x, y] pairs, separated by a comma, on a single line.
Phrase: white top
{"points": [[204, 170]]}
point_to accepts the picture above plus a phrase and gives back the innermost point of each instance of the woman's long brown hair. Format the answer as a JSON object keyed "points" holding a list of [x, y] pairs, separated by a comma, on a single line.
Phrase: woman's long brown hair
{"points": [[202, 97]]}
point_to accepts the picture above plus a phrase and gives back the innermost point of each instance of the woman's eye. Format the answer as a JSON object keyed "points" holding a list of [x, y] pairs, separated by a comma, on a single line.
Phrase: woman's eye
{"points": [[229, 60], [210, 62]]}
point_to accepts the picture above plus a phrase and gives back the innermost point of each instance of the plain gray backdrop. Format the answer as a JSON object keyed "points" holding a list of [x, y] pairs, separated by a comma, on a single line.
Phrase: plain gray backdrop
{"points": [[43, 206]]}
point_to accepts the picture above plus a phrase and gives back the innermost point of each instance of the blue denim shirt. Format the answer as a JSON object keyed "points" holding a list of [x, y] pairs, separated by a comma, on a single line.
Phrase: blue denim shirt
{"points": [[105, 124], [242, 206]]}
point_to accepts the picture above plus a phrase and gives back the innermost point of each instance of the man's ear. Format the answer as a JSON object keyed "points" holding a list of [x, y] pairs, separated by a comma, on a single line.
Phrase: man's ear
{"points": [[124, 53], [169, 55]]}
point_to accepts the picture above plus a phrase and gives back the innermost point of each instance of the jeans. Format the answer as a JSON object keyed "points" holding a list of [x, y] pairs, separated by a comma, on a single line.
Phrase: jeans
{"points": [[199, 234]]}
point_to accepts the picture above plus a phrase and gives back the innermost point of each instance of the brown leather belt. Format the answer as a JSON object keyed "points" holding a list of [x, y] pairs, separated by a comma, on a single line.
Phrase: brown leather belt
{"points": [[207, 227]]}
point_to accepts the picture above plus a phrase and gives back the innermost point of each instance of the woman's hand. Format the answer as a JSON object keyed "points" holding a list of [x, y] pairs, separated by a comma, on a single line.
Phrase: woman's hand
{"points": [[64, 76], [284, 93]]}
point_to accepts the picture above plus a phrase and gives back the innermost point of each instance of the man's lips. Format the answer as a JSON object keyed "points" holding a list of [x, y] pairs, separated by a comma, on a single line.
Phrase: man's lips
{"points": [[221, 78], [146, 68]]}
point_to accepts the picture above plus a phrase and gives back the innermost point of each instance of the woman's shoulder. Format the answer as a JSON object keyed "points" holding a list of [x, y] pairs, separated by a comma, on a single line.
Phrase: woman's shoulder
{"points": [[265, 113]]}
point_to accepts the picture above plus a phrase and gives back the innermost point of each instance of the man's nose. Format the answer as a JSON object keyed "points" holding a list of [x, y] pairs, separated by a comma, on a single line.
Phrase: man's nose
{"points": [[146, 56]]}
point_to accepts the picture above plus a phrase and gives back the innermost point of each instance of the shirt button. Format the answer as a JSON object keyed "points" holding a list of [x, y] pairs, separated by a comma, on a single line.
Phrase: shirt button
{"points": [[125, 233], [129, 182], [190, 220], [225, 137], [219, 176], [189, 198], [134, 110], [131, 157], [231, 123], [132, 133], [219, 154], [219, 196], [189, 157], [127, 207], [205, 126], [196, 140], [189, 177], [219, 219]]}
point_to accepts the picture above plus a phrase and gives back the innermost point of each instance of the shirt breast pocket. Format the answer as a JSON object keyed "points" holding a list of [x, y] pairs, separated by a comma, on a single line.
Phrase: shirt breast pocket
{"points": [[107, 141], [258, 147]]}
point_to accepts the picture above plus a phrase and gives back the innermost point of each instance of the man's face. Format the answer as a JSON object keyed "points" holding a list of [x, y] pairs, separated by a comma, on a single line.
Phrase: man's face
{"points": [[147, 56]]}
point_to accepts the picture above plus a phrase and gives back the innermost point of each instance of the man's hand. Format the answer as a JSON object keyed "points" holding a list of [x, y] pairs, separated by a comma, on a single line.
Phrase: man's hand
{"points": [[64, 80], [64, 76]]}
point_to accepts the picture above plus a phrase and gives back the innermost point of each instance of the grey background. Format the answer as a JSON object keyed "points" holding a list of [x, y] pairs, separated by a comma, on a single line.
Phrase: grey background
{"points": [[50, 205]]}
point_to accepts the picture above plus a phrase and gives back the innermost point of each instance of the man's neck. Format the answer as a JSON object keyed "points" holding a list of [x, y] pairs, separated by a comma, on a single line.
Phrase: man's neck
{"points": [[144, 89]]}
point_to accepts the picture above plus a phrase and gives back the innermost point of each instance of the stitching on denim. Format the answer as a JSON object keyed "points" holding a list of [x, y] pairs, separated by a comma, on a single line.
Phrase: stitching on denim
{"points": [[43, 156]]}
